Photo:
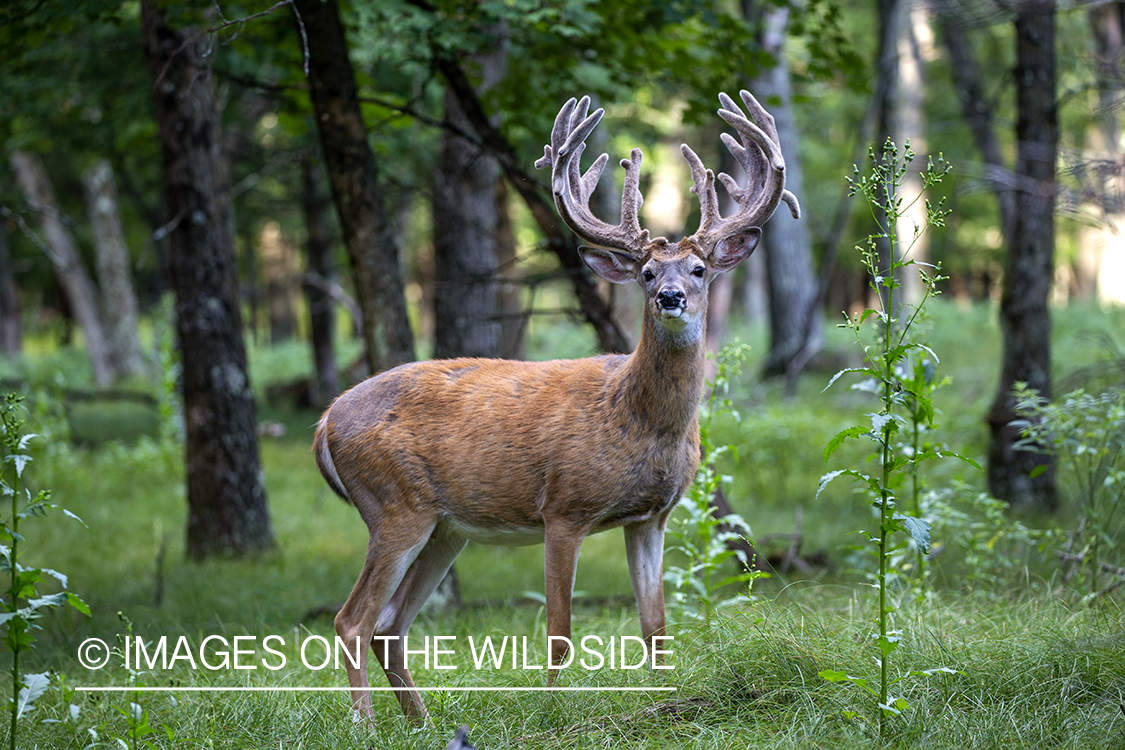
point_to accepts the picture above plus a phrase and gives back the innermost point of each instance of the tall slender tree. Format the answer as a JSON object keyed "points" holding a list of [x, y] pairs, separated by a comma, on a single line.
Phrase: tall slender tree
{"points": [[118, 296], [63, 252], [227, 511], [11, 330], [1027, 478], [369, 233], [321, 269], [791, 281], [466, 233]]}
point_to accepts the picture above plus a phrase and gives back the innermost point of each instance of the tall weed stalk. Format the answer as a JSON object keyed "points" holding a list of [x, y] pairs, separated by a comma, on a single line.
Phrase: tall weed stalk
{"points": [[899, 370]]}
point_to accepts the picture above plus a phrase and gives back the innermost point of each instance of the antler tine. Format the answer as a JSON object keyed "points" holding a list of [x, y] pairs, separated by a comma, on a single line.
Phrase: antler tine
{"points": [[703, 185], [759, 154], [631, 199], [572, 190]]}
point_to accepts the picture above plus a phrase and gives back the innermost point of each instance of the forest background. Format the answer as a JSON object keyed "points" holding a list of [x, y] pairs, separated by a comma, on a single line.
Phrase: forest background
{"points": [[252, 206]]}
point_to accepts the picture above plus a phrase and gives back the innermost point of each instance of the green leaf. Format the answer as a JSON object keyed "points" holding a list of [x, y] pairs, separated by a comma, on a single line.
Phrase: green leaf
{"points": [[918, 528], [895, 708], [832, 675], [60, 577], [1038, 470], [50, 600], [34, 686], [843, 372], [824, 480], [76, 601], [20, 462], [840, 437]]}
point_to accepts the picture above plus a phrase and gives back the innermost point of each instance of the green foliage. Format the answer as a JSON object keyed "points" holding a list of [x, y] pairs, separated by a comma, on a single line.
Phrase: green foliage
{"points": [[699, 535], [1087, 433], [22, 602], [982, 545], [900, 371]]}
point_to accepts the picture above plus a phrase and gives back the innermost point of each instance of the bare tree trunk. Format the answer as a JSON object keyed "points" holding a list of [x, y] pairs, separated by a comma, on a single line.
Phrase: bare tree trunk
{"points": [[915, 45], [595, 308], [11, 329], [227, 511], [891, 13], [322, 311], [250, 289], [63, 252], [978, 112], [1102, 167], [279, 271], [786, 244], [466, 310], [369, 233], [119, 298], [1025, 319]]}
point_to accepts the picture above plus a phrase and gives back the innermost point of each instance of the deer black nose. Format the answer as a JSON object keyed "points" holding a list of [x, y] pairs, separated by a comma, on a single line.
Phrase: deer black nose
{"points": [[669, 298]]}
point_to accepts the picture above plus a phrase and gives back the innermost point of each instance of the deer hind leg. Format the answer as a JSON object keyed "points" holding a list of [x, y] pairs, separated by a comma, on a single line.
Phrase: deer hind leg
{"points": [[644, 547], [391, 551], [423, 576], [561, 546]]}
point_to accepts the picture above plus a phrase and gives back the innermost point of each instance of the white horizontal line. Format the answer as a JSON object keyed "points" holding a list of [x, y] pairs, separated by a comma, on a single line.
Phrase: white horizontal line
{"points": [[291, 689]]}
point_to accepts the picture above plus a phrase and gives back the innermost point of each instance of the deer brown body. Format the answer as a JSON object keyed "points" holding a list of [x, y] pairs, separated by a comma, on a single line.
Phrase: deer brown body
{"points": [[436, 454]]}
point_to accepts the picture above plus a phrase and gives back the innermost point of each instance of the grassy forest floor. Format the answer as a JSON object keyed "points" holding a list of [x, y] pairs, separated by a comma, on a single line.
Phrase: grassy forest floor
{"points": [[1034, 666]]}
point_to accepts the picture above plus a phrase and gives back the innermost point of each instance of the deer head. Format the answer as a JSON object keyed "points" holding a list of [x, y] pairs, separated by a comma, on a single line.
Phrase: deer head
{"points": [[674, 275]]}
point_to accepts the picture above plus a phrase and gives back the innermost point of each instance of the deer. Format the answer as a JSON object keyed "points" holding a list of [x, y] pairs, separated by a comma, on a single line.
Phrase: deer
{"points": [[436, 454]]}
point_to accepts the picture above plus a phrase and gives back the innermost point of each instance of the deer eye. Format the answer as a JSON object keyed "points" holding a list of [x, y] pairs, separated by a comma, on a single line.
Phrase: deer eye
{"points": [[698, 271], [648, 275]]}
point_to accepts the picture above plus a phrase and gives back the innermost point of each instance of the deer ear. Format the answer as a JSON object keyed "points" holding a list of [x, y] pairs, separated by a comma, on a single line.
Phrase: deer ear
{"points": [[613, 266], [733, 249]]}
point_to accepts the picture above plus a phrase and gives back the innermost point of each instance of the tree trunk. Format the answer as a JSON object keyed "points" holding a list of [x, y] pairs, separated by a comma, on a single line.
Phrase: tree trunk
{"points": [[119, 298], [63, 252], [322, 311], [891, 14], [11, 330], [915, 45], [595, 308], [785, 242], [279, 271], [227, 511], [369, 233], [1102, 165], [978, 112], [1025, 319], [466, 307]]}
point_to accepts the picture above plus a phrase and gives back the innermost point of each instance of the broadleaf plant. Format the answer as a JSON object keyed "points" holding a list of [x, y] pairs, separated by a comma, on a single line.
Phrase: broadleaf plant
{"points": [[702, 537], [901, 372], [22, 602]]}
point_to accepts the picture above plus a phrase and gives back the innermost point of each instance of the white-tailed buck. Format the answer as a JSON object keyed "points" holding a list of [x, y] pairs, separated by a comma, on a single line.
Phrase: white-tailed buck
{"points": [[435, 454]]}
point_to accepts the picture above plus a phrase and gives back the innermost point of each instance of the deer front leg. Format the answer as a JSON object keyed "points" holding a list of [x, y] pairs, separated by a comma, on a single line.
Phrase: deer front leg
{"points": [[561, 543], [644, 546]]}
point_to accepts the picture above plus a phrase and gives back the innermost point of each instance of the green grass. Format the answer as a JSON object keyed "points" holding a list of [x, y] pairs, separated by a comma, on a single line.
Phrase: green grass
{"points": [[1034, 669]]}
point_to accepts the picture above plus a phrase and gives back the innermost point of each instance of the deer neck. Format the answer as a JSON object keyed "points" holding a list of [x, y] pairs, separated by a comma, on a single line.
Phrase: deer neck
{"points": [[664, 377]]}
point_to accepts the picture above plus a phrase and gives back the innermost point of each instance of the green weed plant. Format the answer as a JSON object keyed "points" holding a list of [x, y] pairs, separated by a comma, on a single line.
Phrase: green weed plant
{"points": [[703, 586], [22, 603], [1086, 432], [901, 371]]}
